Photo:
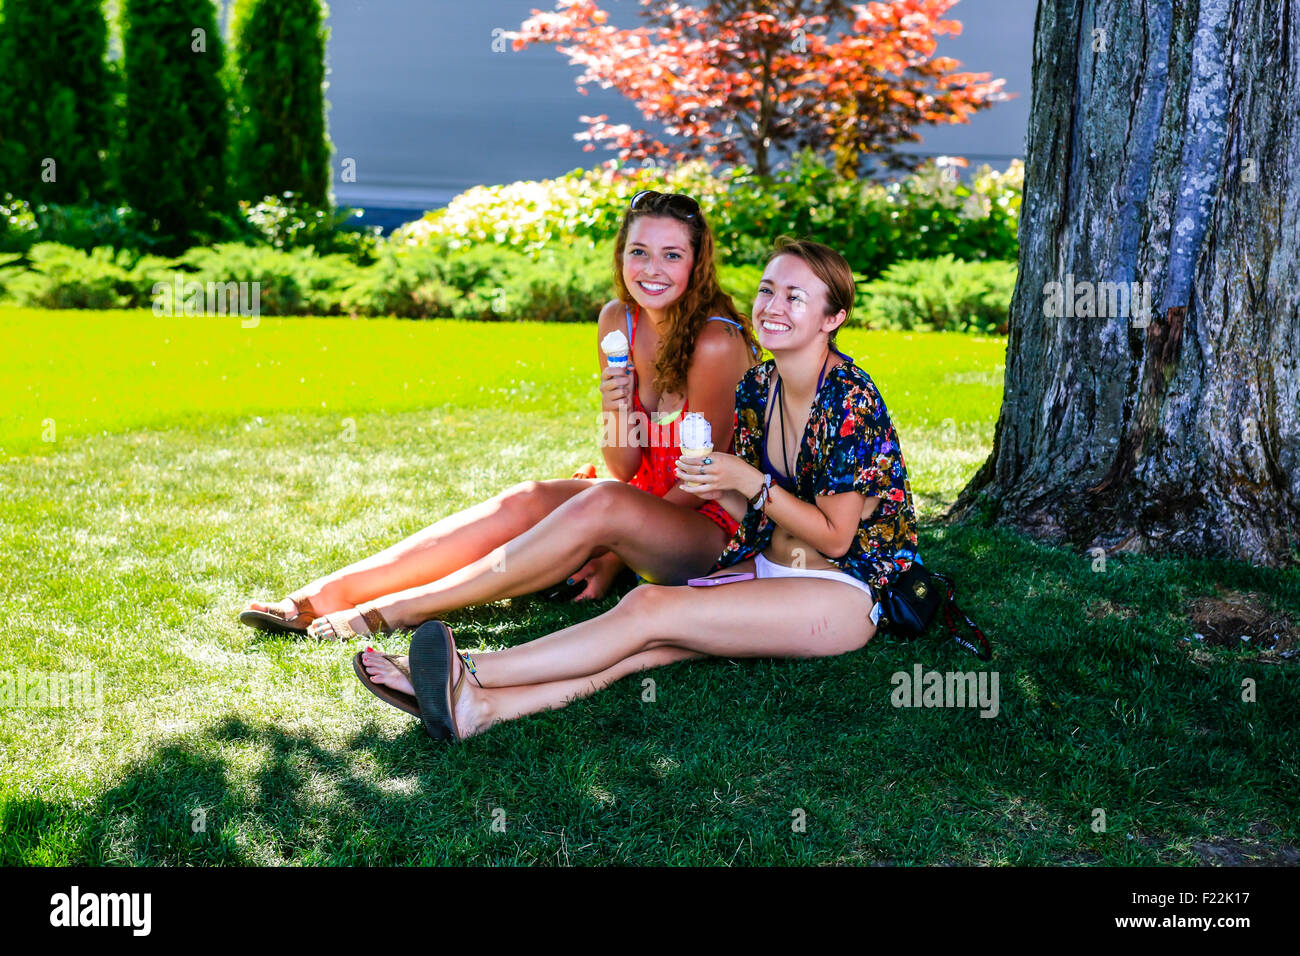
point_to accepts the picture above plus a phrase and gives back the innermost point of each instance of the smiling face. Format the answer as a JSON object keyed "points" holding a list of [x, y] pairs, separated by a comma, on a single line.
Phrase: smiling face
{"points": [[657, 261], [790, 307]]}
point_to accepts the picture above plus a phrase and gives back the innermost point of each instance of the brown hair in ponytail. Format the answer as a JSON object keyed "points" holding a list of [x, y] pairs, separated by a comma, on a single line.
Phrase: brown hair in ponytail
{"points": [[828, 266]]}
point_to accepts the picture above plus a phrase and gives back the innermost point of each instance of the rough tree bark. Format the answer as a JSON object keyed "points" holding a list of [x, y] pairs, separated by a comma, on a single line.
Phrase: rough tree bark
{"points": [[1163, 148]]}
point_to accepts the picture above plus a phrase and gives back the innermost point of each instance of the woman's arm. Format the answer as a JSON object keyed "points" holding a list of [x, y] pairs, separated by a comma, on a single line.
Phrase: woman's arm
{"points": [[622, 457], [829, 525]]}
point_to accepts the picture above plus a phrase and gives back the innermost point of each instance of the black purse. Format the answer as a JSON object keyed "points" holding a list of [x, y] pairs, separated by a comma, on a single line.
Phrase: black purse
{"points": [[909, 605]]}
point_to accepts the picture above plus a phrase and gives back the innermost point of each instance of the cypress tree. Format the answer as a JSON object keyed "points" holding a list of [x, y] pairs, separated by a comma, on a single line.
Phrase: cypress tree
{"points": [[55, 91], [280, 139], [177, 117]]}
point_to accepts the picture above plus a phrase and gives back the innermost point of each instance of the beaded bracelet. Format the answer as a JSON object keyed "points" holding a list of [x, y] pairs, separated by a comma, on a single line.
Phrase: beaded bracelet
{"points": [[759, 500]]}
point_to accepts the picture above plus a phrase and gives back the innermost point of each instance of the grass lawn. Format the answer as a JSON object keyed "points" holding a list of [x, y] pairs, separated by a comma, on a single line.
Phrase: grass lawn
{"points": [[157, 473]]}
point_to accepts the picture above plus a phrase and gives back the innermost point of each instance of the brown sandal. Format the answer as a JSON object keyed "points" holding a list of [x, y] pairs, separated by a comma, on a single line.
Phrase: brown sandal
{"points": [[343, 630], [276, 623]]}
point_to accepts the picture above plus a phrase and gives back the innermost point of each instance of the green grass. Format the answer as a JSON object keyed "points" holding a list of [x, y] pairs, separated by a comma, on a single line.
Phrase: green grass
{"points": [[195, 464]]}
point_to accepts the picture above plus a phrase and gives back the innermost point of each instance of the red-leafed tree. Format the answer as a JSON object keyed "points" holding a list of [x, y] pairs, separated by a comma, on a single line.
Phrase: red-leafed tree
{"points": [[737, 82]]}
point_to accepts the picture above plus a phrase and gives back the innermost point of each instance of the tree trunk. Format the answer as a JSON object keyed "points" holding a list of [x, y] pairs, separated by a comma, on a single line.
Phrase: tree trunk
{"points": [[1163, 149]]}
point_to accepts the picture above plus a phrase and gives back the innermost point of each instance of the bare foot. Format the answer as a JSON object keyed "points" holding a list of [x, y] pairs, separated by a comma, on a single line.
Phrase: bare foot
{"points": [[383, 671], [469, 708], [599, 573], [326, 630]]}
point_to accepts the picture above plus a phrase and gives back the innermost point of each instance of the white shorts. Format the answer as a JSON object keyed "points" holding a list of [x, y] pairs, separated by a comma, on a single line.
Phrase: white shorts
{"points": [[764, 568]]}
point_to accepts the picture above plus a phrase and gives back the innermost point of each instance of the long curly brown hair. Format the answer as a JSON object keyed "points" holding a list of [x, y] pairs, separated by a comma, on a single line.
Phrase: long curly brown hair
{"points": [[702, 299]]}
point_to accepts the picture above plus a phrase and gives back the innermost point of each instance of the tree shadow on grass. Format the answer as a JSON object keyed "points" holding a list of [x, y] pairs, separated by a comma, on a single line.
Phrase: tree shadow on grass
{"points": [[1094, 713], [609, 781], [242, 794]]}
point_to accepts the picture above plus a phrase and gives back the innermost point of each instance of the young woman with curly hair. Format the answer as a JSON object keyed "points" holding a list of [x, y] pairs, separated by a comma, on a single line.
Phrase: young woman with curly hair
{"points": [[689, 348]]}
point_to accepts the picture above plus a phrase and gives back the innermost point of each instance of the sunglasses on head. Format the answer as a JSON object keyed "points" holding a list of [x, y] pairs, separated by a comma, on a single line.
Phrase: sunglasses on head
{"points": [[652, 201]]}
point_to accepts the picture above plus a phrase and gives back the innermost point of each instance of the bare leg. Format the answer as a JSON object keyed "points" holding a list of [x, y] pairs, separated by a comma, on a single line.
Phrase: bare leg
{"points": [[493, 705], [658, 540], [785, 617], [780, 617], [507, 703], [442, 547]]}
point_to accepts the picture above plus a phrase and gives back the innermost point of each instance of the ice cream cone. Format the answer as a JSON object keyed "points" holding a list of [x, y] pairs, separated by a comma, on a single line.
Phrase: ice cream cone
{"points": [[696, 439], [616, 349]]}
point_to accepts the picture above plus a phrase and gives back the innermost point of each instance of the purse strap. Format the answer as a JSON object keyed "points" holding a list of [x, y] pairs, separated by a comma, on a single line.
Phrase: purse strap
{"points": [[950, 611]]}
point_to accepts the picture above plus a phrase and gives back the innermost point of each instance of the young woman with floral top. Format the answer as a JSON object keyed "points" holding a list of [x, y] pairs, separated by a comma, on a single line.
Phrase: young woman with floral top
{"points": [[819, 488]]}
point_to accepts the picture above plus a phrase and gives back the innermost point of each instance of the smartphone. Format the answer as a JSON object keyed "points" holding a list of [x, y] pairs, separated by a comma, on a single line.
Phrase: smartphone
{"points": [[729, 578]]}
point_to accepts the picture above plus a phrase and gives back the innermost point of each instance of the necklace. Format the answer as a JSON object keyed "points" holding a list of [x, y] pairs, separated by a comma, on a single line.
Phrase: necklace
{"points": [[780, 401]]}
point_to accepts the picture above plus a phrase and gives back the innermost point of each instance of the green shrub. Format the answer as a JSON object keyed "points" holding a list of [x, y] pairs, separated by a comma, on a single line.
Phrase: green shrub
{"points": [[91, 225], [486, 282], [59, 277], [11, 266], [279, 138], [277, 222], [176, 123], [55, 93], [941, 294], [563, 285], [290, 282], [580, 208], [741, 283], [477, 267], [405, 283], [927, 214], [483, 282], [83, 226]]}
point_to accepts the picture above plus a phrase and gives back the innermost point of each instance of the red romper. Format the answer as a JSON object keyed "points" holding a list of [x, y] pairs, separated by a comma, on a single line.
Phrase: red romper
{"points": [[657, 473]]}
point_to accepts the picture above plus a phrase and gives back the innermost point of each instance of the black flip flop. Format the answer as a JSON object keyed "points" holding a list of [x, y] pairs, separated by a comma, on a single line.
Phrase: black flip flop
{"points": [[430, 656], [271, 623], [403, 702]]}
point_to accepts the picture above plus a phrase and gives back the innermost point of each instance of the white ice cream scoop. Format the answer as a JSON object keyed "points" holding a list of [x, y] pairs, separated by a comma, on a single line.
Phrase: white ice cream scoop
{"points": [[697, 439], [696, 434], [616, 349]]}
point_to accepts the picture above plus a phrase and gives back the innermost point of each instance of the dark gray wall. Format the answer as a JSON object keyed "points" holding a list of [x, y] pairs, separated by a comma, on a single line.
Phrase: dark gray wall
{"points": [[426, 108]]}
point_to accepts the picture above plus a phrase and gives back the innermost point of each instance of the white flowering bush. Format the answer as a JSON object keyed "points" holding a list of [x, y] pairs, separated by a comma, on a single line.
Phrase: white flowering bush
{"points": [[583, 205], [930, 213]]}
